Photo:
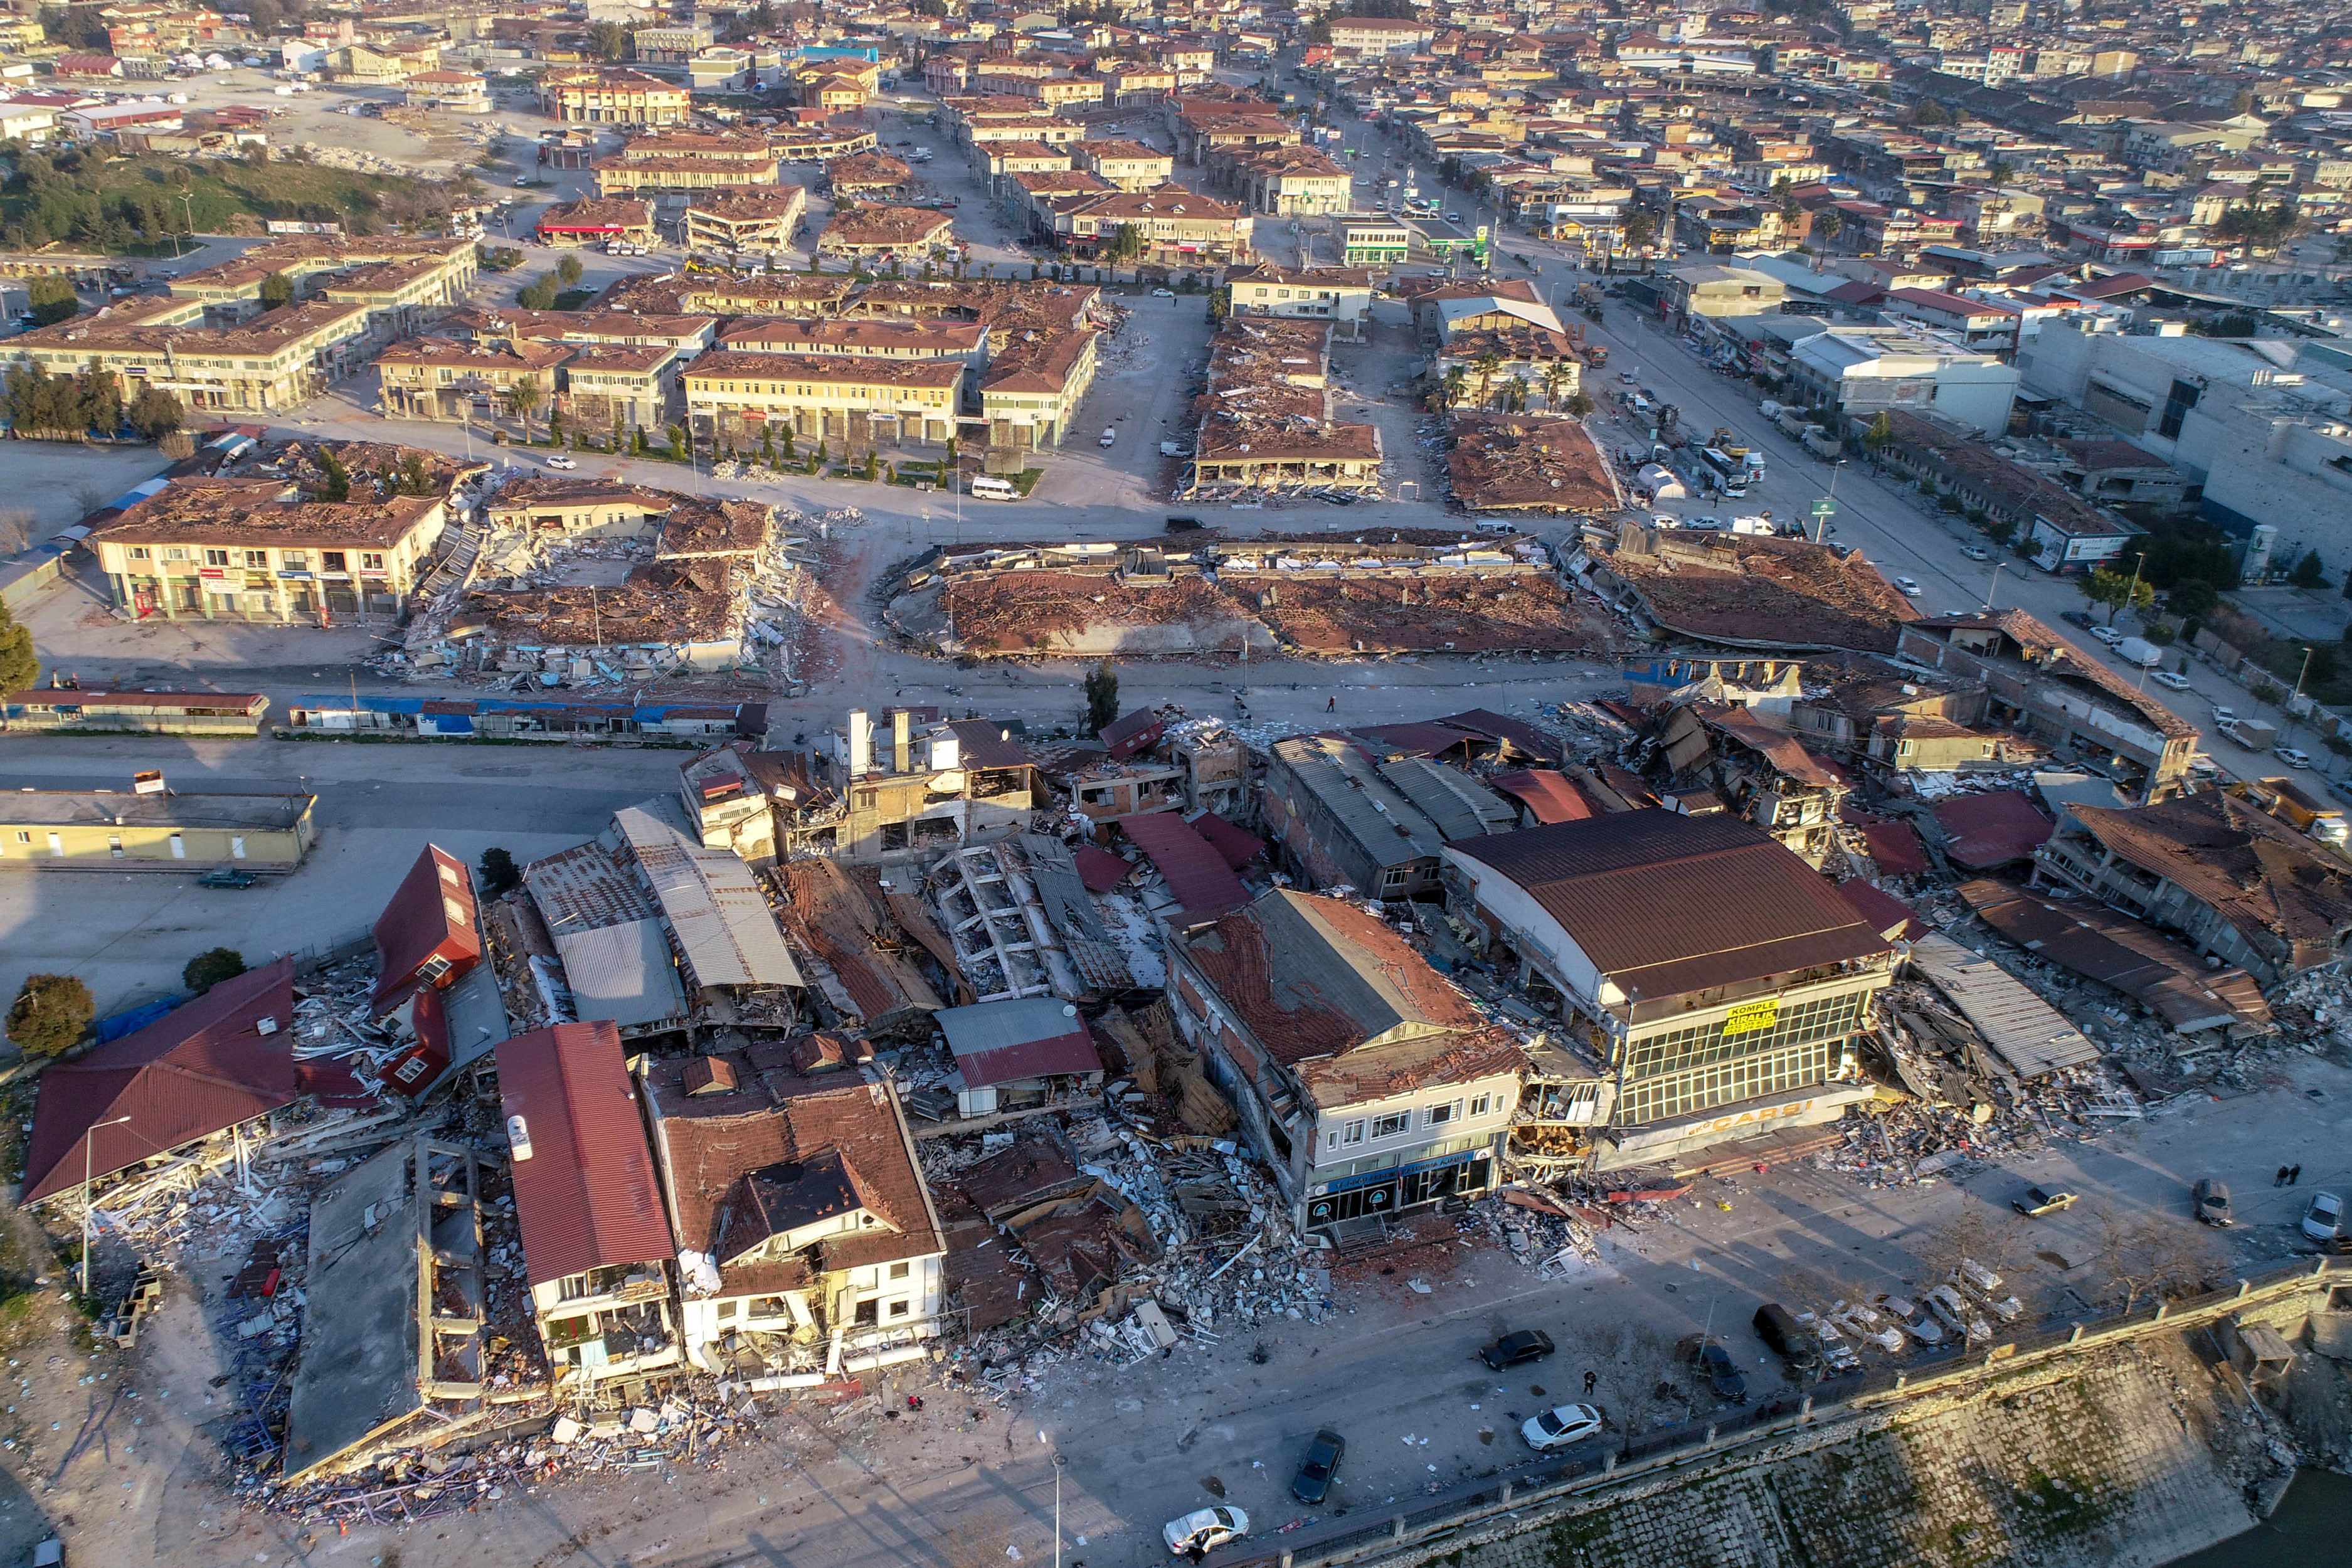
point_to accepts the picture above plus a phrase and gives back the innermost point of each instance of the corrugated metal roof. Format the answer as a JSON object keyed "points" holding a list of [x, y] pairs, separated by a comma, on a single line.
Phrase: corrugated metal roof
{"points": [[1238, 846], [1665, 903], [432, 911], [1100, 962], [2116, 951], [586, 1198], [1390, 828], [1003, 1042], [621, 972], [713, 906], [1992, 828], [2033, 1037], [198, 1070], [1459, 804], [1549, 795], [584, 887], [1197, 875], [984, 743]]}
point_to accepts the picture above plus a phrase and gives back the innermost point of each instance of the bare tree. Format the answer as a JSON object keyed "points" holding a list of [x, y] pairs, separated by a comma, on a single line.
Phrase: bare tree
{"points": [[16, 529], [2144, 1256], [1975, 1230]]}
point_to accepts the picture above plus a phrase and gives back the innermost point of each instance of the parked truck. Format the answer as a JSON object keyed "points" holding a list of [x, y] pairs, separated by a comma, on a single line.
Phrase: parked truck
{"points": [[2139, 651], [1821, 444], [2253, 735], [1791, 424], [2307, 812]]}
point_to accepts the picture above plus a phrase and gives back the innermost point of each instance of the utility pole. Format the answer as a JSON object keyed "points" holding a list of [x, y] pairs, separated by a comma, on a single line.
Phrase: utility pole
{"points": [[1996, 582]]}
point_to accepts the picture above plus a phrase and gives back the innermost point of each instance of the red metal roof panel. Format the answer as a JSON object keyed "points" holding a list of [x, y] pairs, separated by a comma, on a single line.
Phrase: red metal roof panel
{"points": [[1991, 829], [586, 1198], [1197, 875]]}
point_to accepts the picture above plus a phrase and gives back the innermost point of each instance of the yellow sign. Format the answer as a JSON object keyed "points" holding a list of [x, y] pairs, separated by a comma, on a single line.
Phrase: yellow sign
{"points": [[1750, 1017]]}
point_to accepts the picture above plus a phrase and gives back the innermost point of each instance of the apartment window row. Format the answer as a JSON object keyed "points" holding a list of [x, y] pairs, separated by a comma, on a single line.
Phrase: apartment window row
{"points": [[1396, 1123], [1724, 1083], [256, 560], [1800, 1023]]}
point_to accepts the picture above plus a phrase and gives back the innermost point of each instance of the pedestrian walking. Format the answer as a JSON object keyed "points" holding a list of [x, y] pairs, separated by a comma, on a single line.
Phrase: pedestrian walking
{"points": [[1590, 1380], [1330, 705], [2294, 1175], [2279, 1180]]}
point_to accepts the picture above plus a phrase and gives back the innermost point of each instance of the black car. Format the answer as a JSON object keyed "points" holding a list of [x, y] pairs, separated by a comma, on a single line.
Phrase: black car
{"points": [[2076, 618], [1320, 1465], [2212, 1200], [227, 876], [1779, 1329], [1528, 1344], [1727, 1381]]}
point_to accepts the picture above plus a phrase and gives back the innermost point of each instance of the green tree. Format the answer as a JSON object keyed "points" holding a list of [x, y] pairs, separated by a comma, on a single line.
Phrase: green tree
{"points": [[1102, 698], [609, 41], [2310, 571], [1827, 223], [498, 871], [210, 967], [155, 413], [1453, 390], [2192, 598], [2119, 591], [102, 401], [413, 478], [276, 289], [1579, 402], [1127, 244], [1638, 228], [53, 298], [50, 1013], [872, 465], [569, 270], [524, 398], [1881, 432], [539, 294], [678, 446], [20, 666], [338, 478]]}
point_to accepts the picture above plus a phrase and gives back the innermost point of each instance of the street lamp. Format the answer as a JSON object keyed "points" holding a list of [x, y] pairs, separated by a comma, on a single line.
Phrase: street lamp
{"points": [[1057, 1498], [93, 1127]]}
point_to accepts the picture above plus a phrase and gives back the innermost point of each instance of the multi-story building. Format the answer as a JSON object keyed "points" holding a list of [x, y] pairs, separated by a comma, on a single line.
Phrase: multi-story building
{"points": [[463, 380], [269, 363], [597, 1248], [806, 1233], [461, 92], [908, 234], [1365, 1081], [863, 402], [1129, 166], [1862, 371], [746, 220], [2038, 682], [1379, 35], [1290, 182], [1179, 227], [681, 172], [1374, 242], [593, 222], [612, 97], [1714, 982], [254, 550], [1342, 294]]}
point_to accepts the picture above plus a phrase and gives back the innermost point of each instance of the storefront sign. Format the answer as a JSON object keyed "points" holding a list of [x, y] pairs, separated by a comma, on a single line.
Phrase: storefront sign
{"points": [[1750, 1017], [335, 577], [211, 572], [296, 576]]}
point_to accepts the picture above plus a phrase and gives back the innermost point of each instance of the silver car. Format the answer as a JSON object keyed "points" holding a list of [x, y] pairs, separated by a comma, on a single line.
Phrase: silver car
{"points": [[1560, 1426], [1203, 1529]]}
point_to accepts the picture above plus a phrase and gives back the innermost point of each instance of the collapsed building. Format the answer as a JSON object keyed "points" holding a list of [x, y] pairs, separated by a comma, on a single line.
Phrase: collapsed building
{"points": [[1748, 590], [1266, 421], [1530, 463], [1433, 592]]}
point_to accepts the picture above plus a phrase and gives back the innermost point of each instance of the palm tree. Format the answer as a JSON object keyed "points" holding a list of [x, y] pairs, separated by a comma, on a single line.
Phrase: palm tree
{"points": [[1457, 382], [1558, 375], [524, 398], [1487, 362]]}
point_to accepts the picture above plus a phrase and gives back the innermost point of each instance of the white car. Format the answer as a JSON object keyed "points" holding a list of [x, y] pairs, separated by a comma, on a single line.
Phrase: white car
{"points": [[2323, 1220], [1953, 1311], [1163, 293], [562, 463], [2171, 680], [1560, 1426], [2291, 757], [1907, 587], [2107, 635], [1916, 1323], [1203, 1529], [1110, 438]]}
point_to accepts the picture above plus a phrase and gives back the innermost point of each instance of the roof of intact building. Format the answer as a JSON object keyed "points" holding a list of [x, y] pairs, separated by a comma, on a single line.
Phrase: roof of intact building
{"points": [[585, 1195], [101, 808], [1033, 1036], [1665, 904]]}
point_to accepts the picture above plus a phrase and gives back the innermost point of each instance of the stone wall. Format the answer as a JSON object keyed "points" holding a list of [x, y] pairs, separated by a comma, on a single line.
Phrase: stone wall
{"points": [[2133, 1454]]}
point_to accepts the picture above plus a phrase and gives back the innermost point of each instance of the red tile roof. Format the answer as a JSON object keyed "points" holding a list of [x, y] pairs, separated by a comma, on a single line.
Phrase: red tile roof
{"points": [[586, 1198], [197, 1070]]}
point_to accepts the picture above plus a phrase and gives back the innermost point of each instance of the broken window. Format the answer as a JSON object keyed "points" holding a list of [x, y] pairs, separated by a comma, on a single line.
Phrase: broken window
{"points": [[867, 1315], [894, 835], [726, 1311]]}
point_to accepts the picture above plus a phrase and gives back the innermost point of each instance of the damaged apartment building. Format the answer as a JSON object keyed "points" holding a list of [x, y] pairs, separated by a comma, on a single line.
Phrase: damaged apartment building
{"points": [[923, 785], [1146, 765]]}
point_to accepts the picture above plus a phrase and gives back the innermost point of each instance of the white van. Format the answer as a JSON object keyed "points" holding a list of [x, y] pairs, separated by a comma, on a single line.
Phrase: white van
{"points": [[988, 486]]}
